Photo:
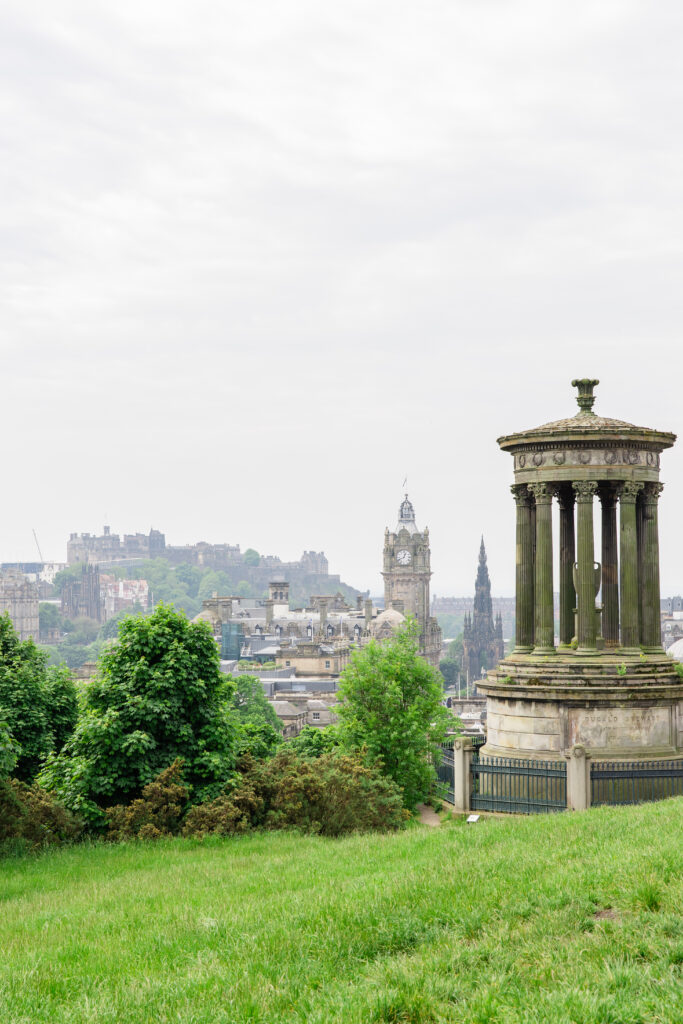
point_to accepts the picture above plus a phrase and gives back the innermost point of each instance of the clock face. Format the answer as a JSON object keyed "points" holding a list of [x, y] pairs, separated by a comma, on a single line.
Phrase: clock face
{"points": [[403, 557]]}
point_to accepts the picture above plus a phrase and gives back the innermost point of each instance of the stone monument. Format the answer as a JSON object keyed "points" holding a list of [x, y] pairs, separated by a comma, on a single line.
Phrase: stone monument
{"points": [[608, 685]]}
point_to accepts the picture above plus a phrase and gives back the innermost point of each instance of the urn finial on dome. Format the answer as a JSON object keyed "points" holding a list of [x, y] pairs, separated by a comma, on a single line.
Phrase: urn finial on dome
{"points": [[585, 397]]}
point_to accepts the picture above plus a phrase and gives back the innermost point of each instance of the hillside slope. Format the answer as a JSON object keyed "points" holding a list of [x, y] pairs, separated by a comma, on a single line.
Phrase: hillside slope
{"points": [[567, 918]]}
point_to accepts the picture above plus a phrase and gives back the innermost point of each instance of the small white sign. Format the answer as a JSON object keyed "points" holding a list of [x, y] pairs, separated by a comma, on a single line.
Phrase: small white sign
{"points": [[473, 818]]}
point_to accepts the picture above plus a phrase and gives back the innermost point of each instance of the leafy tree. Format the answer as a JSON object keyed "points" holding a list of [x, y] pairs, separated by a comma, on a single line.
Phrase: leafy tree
{"points": [[260, 728], [258, 738], [159, 695], [390, 704], [244, 589], [251, 557], [23, 699], [314, 742], [9, 750], [49, 618], [450, 670], [61, 705], [210, 584], [251, 703], [190, 576]]}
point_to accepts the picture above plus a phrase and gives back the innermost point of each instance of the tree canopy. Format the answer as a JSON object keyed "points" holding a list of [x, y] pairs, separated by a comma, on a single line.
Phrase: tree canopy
{"points": [[390, 703], [158, 695], [37, 702]]}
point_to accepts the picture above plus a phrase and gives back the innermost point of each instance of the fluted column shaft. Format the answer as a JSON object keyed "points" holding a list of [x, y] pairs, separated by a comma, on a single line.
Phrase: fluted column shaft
{"points": [[567, 555], [543, 578], [585, 557], [651, 636], [610, 568], [628, 543], [524, 571]]}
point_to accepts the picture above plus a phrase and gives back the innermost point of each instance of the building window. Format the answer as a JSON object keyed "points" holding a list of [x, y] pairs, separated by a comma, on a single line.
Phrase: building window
{"points": [[327, 664], [316, 716], [287, 664]]}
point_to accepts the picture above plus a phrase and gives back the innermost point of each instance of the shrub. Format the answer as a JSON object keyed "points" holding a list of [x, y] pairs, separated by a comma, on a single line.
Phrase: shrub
{"points": [[31, 817], [156, 813], [332, 795]]}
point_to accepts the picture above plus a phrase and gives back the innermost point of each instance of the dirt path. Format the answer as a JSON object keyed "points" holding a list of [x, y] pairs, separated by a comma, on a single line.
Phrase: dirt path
{"points": [[428, 816]]}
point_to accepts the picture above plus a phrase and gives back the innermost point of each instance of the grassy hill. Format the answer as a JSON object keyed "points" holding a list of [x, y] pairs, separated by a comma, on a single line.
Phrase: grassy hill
{"points": [[567, 918]]}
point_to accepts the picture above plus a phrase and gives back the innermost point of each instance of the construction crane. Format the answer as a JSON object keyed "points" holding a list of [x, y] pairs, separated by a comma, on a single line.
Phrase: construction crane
{"points": [[35, 537]]}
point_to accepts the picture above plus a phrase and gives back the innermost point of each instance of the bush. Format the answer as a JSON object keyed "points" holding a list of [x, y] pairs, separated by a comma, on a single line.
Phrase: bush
{"points": [[31, 817], [157, 813], [332, 795]]}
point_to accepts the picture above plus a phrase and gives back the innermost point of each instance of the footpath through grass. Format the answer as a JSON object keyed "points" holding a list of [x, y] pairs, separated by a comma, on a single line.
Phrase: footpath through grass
{"points": [[565, 918]]}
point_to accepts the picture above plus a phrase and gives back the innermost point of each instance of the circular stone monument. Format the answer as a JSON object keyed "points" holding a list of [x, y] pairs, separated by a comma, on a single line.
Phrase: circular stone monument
{"points": [[608, 685]]}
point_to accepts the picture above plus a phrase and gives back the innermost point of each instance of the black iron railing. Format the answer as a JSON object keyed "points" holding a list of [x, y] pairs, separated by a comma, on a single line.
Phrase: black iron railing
{"points": [[635, 782], [517, 786], [444, 773]]}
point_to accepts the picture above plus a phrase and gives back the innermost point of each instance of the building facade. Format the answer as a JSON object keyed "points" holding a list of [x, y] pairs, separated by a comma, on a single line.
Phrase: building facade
{"points": [[19, 598], [406, 573], [482, 643]]}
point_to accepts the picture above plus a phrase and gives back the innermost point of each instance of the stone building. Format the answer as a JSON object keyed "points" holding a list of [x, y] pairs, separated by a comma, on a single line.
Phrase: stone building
{"points": [[83, 597], [19, 598], [482, 646], [406, 572]]}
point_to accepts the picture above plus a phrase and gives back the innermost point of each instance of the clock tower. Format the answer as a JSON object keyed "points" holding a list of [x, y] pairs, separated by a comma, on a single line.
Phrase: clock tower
{"points": [[406, 574]]}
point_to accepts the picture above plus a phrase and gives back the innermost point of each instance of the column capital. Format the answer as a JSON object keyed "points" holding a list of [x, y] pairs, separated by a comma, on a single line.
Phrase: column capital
{"points": [[520, 492], [542, 492], [628, 490], [651, 493], [585, 489]]}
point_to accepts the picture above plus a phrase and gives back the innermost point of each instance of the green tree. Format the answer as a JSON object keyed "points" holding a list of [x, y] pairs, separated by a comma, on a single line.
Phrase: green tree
{"points": [[61, 705], [390, 703], [23, 698], [260, 728], [314, 742], [251, 557], [251, 703], [159, 695], [450, 670], [49, 618], [9, 751]]}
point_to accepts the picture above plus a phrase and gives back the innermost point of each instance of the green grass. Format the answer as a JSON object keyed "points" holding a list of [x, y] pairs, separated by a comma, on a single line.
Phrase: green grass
{"points": [[566, 918]]}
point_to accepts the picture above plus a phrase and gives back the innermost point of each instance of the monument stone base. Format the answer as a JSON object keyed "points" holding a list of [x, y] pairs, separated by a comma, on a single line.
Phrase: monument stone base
{"points": [[617, 706]]}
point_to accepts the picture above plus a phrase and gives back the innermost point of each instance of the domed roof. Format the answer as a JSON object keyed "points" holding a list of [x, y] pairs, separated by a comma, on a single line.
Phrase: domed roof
{"points": [[676, 650], [388, 622], [585, 425]]}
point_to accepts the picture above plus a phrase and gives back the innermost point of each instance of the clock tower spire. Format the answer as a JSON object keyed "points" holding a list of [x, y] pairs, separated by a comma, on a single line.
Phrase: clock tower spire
{"points": [[406, 574]]}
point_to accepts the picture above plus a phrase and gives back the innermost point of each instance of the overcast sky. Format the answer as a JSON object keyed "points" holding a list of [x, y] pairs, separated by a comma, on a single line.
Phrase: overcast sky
{"points": [[260, 261]]}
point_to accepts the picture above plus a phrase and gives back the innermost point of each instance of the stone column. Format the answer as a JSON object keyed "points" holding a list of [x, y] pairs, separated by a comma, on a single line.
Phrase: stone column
{"points": [[524, 571], [567, 552], [269, 612], [651, 630], [585, 595], [628, 556], [543, 581], [610, 567]]}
